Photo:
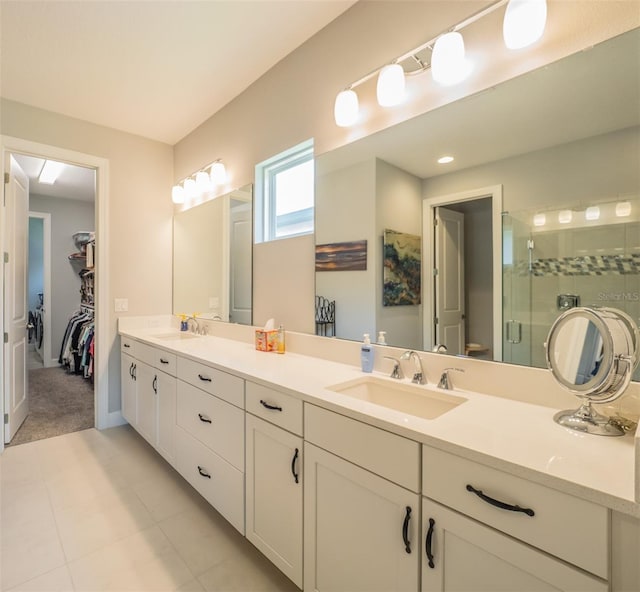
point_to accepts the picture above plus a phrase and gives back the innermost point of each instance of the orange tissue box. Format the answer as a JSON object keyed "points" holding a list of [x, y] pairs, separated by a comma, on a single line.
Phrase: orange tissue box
{"points": [[267, 340]]}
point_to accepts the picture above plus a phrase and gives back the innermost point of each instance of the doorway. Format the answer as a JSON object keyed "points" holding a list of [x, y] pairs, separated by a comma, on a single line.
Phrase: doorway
{"points": [[99, 168], [465, 286]]}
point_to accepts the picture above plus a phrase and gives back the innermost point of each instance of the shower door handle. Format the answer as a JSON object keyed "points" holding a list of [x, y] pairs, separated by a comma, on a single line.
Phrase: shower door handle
{"points": [[513, 331]]}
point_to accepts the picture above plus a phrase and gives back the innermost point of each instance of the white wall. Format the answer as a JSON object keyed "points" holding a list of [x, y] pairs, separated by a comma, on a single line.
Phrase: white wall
{"points": [[67, 217], [139, 209]]}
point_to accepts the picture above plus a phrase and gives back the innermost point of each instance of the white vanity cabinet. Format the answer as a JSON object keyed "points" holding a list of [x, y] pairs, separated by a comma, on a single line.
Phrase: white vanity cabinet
{"points": [[274, 491], [149, 394], [210, 436], [361, 529], [544, 531]]}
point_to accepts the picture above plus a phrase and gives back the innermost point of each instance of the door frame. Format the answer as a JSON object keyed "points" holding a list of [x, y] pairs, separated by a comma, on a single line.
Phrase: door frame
{"points": [[11, 144], [428, 216], [46, 281]]}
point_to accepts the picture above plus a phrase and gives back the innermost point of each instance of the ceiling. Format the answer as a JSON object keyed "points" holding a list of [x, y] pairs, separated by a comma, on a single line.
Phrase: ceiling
{"points": [[153, 68]]}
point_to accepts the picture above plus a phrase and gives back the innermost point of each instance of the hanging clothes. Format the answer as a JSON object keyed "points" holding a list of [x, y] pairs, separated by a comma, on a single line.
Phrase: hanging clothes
{"points": [[76, 351]]}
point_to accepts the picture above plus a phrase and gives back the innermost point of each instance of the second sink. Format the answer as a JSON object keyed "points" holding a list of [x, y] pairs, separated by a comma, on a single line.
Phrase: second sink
{"points": [[406, 398]]}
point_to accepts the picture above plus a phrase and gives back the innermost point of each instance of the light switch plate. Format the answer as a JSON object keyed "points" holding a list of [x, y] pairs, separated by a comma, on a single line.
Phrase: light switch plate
{"points": [[121, 304]]}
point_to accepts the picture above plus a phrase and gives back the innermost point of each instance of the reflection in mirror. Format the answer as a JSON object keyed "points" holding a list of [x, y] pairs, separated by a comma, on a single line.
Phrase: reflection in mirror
{"points": [[212, 263], [562, 141], [592, 352]]}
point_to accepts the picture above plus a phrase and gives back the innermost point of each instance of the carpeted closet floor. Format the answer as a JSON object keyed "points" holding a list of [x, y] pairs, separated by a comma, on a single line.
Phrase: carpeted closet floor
{"points": [[59, 403]]}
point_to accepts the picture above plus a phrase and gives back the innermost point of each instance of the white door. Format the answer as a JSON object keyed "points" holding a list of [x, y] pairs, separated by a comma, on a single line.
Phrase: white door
{"points": [[147, 400], [16, 391], [240, 242], [360, 530], [274, 495], [449, 280], [128, 369], [166, 386], [461, 554]]}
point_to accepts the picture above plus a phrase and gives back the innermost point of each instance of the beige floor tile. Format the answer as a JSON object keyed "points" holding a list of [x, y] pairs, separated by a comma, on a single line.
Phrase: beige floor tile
{"points": [[166, 494], [143, 561], [202, 537], [19, 465], [192, 586], [89, 526], [248, 571], [28, 553], [57, 580]]}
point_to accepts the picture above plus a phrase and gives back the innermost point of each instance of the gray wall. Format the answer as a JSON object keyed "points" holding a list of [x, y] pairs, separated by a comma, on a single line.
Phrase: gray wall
{"points": [[36, 261], [67, 217]]}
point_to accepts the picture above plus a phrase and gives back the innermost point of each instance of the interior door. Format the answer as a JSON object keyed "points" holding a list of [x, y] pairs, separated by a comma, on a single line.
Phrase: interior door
{"points": [[449, 327], [240, 263], [16, 392]]}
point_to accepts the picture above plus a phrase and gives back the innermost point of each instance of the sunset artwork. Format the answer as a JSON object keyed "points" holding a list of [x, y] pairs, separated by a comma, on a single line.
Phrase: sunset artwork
{"points": [[349, 256]]}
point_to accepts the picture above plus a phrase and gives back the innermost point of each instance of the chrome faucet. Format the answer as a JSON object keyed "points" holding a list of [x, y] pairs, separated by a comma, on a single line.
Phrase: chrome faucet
{"points": [[196, 325], [439, 348], [418, 375], [397, 368], [445, 382]]}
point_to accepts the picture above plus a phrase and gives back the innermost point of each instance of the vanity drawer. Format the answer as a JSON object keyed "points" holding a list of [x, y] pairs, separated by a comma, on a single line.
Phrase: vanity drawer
{"points": [[157, 358], [276, 407], [128, 345], [218, 383], [216, 423], [383, 453], [568, 527], [220, 483]]}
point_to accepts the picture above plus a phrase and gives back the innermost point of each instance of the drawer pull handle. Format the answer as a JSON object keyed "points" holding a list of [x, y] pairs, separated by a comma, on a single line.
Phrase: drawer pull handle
{"points": [[203, 472], [127, 345], [204, 378], [498, 503], [163, 361], [154, 384], [293, 465], [429, 542], [271, 407], [204, 418], [405, 530]]}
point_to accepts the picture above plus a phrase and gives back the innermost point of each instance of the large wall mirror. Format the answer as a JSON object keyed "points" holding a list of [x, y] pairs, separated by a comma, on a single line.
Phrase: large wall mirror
{"points": [[212, 258], [558, 149]]}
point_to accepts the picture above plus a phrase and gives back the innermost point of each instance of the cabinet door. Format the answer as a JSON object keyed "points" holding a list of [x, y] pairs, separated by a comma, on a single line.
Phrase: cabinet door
{"points": [[356, 525], [147, 387], [461, 554], [274, 495], [166, 415], [128, 388]]}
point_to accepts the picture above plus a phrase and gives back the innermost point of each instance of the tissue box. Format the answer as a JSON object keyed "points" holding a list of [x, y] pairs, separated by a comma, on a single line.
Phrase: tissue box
{"points": [[266, 340]]}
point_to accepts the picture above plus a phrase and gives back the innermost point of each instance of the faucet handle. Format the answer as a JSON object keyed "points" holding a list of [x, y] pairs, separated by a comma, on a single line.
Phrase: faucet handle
{"points": [[444, 382], [397, 369]]}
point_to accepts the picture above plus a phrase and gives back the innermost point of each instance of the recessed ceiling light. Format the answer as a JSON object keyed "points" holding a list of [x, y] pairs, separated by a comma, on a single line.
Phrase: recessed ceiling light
{"points": [[565, 216], [539, 220], [623, 209], [592, 213], [445, 159], [50, 172]]}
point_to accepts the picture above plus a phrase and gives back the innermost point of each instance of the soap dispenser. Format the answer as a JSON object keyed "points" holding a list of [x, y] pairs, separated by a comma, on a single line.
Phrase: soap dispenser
{"points": [[382, 338], [366, 354]]}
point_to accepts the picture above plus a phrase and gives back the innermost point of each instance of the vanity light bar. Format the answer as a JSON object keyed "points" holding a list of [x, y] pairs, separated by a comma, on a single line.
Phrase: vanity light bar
{"points": [[523, 24], [200, 182]]}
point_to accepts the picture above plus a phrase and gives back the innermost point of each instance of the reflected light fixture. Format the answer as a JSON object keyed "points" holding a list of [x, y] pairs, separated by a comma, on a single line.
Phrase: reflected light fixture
{"points": [[448, 62], [218, 173], [177, 194], [524, 22], [390, 87], [190, 188], [50, 171], [623, 209], [345, 110], [445, 159], [539, 220], [592, 213], [565, 216], [203, 183]]}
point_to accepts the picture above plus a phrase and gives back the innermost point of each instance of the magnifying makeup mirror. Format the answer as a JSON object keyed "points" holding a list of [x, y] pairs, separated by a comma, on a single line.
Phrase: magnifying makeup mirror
{"points": [[592, 352]]}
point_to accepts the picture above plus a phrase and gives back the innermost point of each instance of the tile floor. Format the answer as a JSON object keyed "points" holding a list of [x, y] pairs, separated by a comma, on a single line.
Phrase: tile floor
{"points": [[101, 510]]}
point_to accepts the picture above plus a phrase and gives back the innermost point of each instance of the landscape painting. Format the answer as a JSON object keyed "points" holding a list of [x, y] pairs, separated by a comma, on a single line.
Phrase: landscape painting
{"points": [[401, 273], [349, 256]]}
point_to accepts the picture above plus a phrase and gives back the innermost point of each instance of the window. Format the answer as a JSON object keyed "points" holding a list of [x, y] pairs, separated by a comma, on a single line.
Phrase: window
{"points": [[285, 194]]}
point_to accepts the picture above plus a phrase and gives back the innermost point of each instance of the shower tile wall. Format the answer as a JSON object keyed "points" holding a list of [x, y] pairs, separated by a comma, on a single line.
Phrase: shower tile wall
{"points": [[599, 264]]}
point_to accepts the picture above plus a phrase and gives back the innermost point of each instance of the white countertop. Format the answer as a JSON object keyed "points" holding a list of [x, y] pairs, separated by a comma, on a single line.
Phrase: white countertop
{"points": [[519, 438]]}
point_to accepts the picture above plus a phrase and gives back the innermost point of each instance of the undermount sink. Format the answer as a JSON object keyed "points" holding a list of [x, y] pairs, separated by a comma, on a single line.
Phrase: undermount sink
{"points": [[176, 335], [403, 397]]}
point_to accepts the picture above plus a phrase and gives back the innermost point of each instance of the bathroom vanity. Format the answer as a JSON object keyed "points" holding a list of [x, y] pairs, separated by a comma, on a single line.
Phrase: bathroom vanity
{"points": [[474, 492]]}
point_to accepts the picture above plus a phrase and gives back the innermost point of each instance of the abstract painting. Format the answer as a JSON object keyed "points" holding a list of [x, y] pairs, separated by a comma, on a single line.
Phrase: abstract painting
{"points": [[401, 272], [351, 256]]}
